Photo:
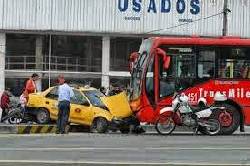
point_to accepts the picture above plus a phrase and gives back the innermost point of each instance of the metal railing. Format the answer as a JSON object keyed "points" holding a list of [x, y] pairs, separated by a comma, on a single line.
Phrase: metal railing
{"points": [[77, 64]]}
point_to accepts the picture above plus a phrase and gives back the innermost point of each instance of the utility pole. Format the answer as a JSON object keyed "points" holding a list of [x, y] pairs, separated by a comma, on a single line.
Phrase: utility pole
{"points": [[225, 21]]}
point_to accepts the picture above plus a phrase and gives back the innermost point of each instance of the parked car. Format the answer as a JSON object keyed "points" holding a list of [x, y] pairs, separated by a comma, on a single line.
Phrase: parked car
{"points": [[88, 107]]}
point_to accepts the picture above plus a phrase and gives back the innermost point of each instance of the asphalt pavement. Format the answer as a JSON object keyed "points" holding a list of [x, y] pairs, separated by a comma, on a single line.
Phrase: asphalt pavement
{"points": [[120, 149]]}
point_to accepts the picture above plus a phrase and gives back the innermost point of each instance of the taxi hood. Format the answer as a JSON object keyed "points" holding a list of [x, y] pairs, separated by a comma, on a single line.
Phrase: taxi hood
{"points": [[118, 105]]}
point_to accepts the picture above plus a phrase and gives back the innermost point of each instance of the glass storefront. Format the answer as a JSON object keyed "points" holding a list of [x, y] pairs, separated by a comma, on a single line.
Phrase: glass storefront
{"points": [[68, 53], [20, 51], [64, 54], [120, 49]]}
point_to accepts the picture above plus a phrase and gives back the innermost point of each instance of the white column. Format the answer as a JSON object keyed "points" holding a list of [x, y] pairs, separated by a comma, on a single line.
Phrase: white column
{"points": [[39, 60], [39, 53], [2, 60], [39, 83], [105, 60]]}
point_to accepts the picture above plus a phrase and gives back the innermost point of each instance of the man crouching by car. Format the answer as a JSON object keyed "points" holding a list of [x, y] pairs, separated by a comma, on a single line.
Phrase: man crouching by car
{"points": [[64, 94]]}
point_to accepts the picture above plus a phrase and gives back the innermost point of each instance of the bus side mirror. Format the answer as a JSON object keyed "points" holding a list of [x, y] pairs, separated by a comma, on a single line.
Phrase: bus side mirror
{"points": [[166, 58], [132, 58]]}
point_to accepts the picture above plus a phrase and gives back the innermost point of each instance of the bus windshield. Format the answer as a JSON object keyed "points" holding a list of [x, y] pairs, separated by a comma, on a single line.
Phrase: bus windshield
{"points": [[137, 71]]}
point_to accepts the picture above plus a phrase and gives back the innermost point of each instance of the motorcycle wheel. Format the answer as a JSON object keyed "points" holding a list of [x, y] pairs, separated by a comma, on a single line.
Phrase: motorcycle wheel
{"points": [[15, 117], [166, 126], [14, 120], [213, 127]]}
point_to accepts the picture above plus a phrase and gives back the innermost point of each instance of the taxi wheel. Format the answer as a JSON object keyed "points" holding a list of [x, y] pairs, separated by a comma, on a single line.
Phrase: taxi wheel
{"points": [[101, 125], [42, 116]]}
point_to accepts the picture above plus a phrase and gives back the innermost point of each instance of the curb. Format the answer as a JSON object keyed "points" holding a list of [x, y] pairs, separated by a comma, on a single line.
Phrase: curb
{"points": [[37, 128], [42, 129], [27, 129], [32, 129]]}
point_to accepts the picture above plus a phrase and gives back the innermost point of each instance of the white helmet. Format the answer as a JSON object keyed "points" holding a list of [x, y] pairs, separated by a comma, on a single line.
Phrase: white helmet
{"points": [[219, 97], [184, 98]]}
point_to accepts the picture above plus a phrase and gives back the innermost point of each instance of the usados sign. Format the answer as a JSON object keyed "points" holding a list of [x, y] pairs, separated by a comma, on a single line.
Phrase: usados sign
{"points": [[161, 6]]}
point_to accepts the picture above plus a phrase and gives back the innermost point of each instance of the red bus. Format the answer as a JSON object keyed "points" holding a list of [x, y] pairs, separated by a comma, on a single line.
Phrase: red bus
{"points": [[198, 67]]}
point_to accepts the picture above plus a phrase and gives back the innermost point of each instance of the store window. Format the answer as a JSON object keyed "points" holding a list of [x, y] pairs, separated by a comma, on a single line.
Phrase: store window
{"points": [[120, 50], [20, 51], [68, 53], [74, 53]]}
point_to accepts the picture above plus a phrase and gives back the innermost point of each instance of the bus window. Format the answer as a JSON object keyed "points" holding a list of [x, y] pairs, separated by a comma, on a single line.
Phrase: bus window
{"points": [[166, 81], [233, 62], [182, 62], [150, 81], [181, 73], [206, 65]]}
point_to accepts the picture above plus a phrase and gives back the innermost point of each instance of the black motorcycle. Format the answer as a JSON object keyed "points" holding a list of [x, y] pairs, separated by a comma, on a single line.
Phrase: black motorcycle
{"points": [[17, 115]]}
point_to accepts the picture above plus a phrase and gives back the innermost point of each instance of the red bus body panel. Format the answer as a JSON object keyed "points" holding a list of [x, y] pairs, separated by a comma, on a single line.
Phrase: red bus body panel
{"points": [[236, 90]]}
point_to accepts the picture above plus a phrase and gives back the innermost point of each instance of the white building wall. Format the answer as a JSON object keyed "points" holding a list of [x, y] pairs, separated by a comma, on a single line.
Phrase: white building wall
{"points": [[2, 61], [1, 14], [239, 18], [104, 16]]}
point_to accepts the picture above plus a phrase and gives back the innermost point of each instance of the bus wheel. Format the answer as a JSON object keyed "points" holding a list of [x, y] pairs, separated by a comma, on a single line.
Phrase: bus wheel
{"points": [[229, 119]]}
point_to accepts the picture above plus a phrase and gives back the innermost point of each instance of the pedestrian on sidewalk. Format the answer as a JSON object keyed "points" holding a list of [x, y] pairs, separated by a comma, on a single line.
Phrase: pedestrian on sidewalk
{"points": [[24, 100], [65, 92], [5, 103], [30, 85]]}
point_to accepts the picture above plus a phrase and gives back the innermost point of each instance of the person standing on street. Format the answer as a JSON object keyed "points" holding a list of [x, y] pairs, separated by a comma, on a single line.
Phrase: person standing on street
{"points": [[5, 103], [65, 92], [30, 85]]}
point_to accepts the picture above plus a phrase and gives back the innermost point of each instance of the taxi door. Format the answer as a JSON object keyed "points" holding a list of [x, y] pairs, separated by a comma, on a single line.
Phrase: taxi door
{"points": [[80, 109], [51, 102]]}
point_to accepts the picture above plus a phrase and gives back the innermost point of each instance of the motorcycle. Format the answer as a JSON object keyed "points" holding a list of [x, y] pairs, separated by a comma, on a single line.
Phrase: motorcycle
{"points": [[17, 115], [183, 114]]}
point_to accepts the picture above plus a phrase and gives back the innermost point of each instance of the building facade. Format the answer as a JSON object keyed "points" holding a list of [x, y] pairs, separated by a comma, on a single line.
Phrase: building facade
{"points": [[90, 40]]}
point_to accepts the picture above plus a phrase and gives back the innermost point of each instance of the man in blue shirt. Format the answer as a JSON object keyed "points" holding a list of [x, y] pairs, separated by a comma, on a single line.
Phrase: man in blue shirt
{"points": [[64, 94]]}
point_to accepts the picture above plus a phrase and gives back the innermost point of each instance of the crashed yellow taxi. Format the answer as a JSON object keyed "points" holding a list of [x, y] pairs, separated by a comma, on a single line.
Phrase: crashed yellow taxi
{"points": [[88, 107]]}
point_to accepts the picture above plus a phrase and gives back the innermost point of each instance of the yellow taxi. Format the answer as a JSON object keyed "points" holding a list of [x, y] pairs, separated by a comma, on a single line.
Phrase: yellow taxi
{"points": [[88, 107]]}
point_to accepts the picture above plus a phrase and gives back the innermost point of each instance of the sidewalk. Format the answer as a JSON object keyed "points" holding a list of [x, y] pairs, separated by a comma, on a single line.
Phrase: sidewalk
{"points": [[35, 128]]}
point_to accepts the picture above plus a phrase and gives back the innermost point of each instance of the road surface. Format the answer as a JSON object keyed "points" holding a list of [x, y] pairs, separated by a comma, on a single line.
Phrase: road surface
{"points": [[118, 149]]}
